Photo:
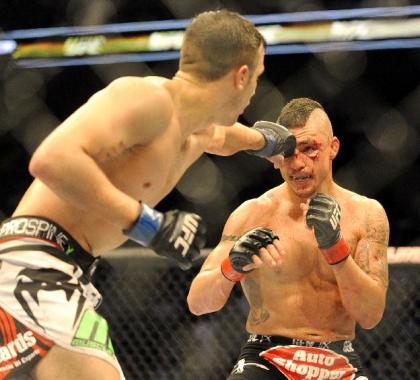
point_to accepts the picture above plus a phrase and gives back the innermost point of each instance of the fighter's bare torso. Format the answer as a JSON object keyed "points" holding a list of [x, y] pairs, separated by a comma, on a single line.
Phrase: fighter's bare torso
{"points": [[146, 172], [303, 291]]}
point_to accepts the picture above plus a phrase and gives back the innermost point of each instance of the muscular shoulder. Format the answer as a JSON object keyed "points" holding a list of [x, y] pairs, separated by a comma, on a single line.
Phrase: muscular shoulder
{"points": [[361, 203], [262, 204], [370, 214], [141, 101], [128, 87], [376, 221], [252, 213], [151, 90]]}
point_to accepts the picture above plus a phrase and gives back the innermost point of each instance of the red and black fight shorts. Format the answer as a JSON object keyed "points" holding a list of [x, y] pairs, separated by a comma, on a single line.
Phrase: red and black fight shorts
{"points": [[266, 357], [20, 348]]}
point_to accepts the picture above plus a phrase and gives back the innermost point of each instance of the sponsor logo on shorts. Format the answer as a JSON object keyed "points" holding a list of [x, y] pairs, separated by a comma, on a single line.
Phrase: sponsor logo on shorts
{"points": [[298, 363], [259, 338], [93, 332], [22, 343], [347, 346], [307, 343], [37, 228], [241, 364], [30, 282]]}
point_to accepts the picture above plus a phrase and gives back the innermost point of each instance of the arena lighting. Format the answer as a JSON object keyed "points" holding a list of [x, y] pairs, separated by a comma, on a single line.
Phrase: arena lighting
{"points": [[287, 33]]}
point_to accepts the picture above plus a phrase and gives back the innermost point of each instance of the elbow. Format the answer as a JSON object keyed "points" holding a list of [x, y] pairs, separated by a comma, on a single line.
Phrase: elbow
{"points": [[195, 308], [368, 324], [370, 321], [206, 293], [37, 165], [45, 165], [42, 162], [198, 307]]}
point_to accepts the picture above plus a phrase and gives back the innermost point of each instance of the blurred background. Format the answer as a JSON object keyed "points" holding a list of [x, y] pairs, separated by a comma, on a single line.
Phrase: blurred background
{"points": [[371, 93], [372, 97]]}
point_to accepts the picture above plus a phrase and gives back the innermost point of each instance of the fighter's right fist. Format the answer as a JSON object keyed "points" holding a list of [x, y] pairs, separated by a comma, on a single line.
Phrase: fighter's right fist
{"points": [[278, 140], [176, 234], [323, 215], [242, 251]]}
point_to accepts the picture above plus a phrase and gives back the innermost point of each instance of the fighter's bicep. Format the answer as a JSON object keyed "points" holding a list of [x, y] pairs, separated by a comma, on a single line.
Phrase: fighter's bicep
{"points": [[371, 257], [371, 251]]}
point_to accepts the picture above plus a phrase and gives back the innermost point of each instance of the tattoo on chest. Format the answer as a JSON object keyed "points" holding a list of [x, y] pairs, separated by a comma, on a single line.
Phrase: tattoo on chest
{"points": [[258, 313]]}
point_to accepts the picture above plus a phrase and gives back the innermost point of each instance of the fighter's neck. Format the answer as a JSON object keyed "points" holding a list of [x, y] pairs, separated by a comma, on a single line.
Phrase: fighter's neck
{"points": [[195, 102]]}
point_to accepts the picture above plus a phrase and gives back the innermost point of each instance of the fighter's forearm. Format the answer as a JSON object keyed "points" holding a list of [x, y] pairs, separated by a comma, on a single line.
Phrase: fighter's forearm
{"points": [[240, 137], [209, 292], [230, 140], [76, 178], [362, 296]]}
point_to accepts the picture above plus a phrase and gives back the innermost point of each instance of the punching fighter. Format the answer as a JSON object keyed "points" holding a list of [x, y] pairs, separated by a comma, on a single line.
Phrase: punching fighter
{"points": [[311, 259], [98, 178]]}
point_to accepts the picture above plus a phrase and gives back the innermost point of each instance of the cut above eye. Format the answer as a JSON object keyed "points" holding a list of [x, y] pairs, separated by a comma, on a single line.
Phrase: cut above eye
{"points": [[308, 149]]}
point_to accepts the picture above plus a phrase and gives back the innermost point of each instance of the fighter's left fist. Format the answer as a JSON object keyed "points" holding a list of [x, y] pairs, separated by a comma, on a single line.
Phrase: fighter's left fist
{"points": [[323, 215], [181, 237], [278, 140], [242, 252]]}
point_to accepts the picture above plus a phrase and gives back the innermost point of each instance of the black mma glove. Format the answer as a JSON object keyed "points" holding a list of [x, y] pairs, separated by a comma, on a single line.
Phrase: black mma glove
{"points": [[324, 214], [278, 140], [176, 234], [241, 253]]}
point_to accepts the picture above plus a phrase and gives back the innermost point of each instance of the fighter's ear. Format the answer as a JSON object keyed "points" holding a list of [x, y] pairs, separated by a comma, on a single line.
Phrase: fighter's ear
{"points": [[241, 76], [334, 147]]}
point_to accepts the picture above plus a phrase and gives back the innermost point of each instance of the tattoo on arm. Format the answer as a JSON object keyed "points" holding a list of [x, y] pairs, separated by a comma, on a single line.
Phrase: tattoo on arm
{"points": [[378, 231], [229, 237], [363, 257], [106, 154], [115, 150], [372, 249]]}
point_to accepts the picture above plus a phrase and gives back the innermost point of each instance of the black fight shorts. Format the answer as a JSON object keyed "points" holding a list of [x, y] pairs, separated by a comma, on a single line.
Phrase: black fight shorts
{"points": [[265, 357]]}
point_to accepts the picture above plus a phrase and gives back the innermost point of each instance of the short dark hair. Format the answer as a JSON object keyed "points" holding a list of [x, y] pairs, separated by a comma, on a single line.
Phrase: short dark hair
{"points": [[297, 111], [217, 41]]}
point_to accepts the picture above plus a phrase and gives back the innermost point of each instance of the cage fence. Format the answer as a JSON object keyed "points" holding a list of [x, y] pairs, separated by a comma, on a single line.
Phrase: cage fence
{"points": [[156, 337]]}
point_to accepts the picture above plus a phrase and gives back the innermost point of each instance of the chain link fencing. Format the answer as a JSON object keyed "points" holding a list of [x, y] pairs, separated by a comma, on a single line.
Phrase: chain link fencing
{"points": [[156, 337]]}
